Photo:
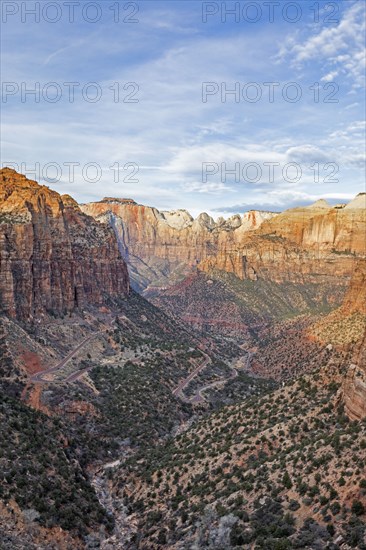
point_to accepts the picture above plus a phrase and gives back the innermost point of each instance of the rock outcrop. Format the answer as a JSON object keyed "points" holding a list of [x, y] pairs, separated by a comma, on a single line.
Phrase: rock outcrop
{"points": [[53, 257], [318, 243], [353, 390], [355, 298], [314, 244], [162, 247]]}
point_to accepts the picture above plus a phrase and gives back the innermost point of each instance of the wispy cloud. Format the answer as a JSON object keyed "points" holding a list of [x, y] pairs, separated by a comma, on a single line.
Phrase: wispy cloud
{"points": [[341, 46], [170, 132]]}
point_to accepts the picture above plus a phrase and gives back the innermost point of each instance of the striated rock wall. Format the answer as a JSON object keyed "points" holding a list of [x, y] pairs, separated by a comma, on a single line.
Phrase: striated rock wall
{"points": [[355, 298], [312, 244], [162, 247], [53, 258], [353, 391], [315, 244]]}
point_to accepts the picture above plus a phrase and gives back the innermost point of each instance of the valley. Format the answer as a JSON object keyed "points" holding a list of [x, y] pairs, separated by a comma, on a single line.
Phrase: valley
{"points": [[177, 383]]}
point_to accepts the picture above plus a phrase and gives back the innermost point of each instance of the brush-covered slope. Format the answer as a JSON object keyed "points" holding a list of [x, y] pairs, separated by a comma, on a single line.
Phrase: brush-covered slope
{"points": [[283, 471]]}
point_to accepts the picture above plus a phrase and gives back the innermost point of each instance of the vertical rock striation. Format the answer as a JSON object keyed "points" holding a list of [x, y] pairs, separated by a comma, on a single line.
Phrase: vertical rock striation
{"points": [[353, 391], [53, 258], [314, 244], [162, 247]]}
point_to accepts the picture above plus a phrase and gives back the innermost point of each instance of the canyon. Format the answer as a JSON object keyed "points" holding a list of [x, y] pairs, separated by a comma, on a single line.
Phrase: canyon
{"points": [[162, 247], [155, 366]]}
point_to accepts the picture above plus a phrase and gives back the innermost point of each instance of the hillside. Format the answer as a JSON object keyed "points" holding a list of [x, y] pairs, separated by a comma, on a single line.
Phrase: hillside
{"points": [[283, 471], [280, 471]]}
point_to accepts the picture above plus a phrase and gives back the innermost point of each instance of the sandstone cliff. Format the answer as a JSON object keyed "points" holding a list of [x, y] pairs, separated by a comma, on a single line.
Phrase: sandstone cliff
{"points": [[162, 247], [345, 328], [354, 385], [315, 244], [355, 298], [318, 243], [53, 258]]}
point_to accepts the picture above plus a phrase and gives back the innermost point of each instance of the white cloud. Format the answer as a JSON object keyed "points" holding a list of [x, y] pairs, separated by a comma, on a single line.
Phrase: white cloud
{"points": [[170, 132], [308, 154], [330, 76], [342, 46], [212, 188]]}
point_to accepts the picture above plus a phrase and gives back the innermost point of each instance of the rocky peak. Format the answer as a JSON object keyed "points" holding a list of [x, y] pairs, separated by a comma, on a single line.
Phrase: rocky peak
{"points": [[319, 205], [69, 202], [253, 219], [205, 221], [113, 200], [359, 202], [234, 221], [178, 219]]}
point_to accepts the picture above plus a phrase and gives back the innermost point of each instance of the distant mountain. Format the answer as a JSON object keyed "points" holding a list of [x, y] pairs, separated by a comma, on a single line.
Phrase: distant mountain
{"points": [[317, 244], [161, 247]]}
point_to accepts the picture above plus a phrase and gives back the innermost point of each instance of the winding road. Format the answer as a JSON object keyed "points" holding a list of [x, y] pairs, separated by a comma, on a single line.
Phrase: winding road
{"points": [[184, 383], [197, 397], [41, 377], [46, 376]]}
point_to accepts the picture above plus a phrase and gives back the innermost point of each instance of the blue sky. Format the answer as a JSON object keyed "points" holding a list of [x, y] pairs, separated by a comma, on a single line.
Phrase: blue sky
{"points": [[169, 133]]}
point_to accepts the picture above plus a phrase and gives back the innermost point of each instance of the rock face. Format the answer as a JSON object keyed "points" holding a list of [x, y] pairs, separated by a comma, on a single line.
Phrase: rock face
{"points": [[355, 298], [354, 385], [314, 244], [53, 258], [162, 247], [353, 391]]}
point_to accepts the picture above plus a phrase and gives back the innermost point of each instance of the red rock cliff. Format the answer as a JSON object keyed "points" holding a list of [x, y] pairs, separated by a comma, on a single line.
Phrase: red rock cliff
{"points": [[161, 247], [314, 244], [53, 258], [353, 391]]}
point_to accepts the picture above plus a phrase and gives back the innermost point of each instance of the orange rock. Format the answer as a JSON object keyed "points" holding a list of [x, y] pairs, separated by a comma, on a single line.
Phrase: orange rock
{"points": [[53, 257], [314, 244]]}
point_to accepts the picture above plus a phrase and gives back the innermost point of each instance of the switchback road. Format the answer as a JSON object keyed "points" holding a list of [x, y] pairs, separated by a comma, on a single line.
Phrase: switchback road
{"points": [[184, 383], [41, 377]]}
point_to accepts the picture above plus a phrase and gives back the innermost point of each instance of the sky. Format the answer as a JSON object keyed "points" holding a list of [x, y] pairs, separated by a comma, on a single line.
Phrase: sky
{"points": [[208, 106]]}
